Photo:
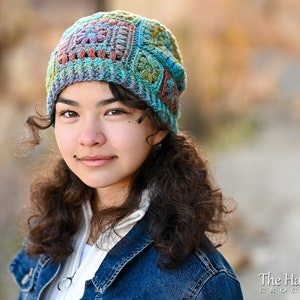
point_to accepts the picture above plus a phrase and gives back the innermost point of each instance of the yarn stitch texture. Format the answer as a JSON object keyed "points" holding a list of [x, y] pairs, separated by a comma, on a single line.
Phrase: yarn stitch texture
{"points": [[139, 54]]}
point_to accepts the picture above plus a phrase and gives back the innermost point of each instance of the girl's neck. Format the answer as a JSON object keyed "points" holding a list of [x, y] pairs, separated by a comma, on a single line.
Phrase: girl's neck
{"points": [[105, 198], [113, 196]]}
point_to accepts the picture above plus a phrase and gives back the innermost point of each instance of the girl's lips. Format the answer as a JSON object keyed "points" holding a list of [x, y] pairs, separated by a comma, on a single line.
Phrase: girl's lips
{"points": [[96, 161]]}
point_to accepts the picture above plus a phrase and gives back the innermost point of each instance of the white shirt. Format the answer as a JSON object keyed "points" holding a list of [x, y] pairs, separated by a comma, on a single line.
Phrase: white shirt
{"points": [[86, 259]]}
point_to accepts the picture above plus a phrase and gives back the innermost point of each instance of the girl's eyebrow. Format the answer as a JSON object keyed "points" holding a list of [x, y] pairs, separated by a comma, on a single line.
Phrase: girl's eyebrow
{"points": [[77, 104]]}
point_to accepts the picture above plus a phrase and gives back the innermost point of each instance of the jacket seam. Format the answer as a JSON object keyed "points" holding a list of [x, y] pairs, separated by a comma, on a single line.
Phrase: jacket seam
{"points": [[50, 280]]}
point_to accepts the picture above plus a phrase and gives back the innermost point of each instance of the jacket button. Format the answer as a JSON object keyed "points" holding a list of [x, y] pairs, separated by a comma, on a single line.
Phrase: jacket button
{"points": [[27, 277]]}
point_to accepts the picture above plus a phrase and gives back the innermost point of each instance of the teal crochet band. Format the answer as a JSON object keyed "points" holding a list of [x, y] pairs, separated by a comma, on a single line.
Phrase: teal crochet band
{"points": [[120, 47]]}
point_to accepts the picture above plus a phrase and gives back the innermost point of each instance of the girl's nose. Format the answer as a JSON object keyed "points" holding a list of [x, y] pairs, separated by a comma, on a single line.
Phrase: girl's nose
{"points": [[91, 135]]}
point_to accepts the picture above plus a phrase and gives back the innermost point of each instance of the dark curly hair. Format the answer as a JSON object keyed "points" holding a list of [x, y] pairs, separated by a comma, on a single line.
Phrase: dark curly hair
{"points": [[185, 209]]}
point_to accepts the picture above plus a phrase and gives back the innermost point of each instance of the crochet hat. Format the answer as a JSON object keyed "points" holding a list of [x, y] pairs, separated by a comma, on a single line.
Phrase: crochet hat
{"points": [[120, 47]]}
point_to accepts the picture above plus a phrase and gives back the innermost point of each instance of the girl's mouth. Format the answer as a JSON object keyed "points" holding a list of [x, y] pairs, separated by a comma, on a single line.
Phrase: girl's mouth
{"points": [[96, 161]]}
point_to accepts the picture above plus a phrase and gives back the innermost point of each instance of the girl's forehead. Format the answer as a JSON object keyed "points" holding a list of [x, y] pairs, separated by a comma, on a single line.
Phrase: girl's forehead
{"points": [[82, 92], [92, 87]]}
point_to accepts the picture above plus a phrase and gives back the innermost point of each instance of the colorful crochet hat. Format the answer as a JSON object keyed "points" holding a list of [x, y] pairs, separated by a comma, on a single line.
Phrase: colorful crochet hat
{"points": [[120, 47]]}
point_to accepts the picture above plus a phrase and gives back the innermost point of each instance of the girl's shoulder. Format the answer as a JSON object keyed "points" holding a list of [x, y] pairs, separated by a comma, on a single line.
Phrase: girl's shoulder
{"points": [[22, 267], [209, 276], [213, 262], [27, 269]]}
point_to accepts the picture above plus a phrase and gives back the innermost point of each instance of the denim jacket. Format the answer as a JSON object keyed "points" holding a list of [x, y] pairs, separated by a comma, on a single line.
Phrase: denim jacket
{"points": [[129, 271]]}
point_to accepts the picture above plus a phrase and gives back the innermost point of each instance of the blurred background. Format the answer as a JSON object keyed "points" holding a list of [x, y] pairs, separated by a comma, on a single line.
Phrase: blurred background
{"points": [[242, 105]]}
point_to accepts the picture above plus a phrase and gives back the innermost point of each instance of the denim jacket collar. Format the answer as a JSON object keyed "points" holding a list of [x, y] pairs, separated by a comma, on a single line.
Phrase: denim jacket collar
{"points": [[125, 251]]}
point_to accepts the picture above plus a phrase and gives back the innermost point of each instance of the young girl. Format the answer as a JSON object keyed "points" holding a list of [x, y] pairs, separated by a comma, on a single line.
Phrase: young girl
{"points": [[128, 208]]}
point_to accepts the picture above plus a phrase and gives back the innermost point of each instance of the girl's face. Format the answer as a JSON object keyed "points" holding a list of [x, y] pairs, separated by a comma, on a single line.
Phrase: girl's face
{"points": [[99, 137]]}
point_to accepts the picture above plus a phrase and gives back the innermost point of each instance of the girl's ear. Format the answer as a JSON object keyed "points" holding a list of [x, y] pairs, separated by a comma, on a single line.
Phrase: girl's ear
{"points": [[159, 136]]}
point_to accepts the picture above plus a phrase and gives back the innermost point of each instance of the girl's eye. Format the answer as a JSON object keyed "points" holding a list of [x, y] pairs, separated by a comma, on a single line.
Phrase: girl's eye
{"points": [[69, 114], [115, 112]]}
